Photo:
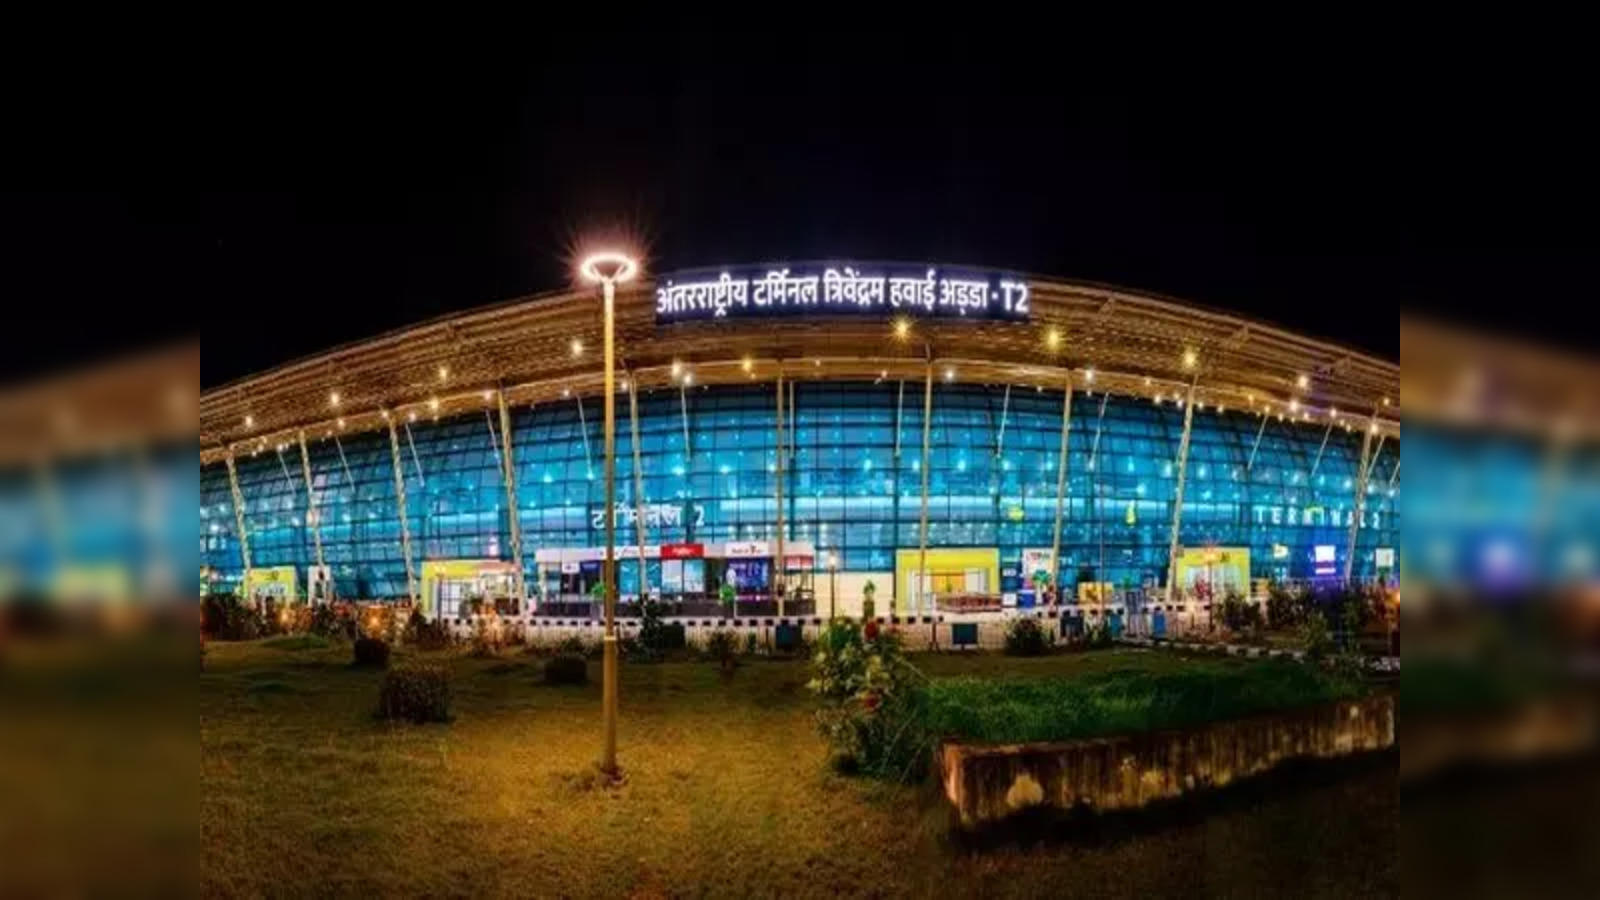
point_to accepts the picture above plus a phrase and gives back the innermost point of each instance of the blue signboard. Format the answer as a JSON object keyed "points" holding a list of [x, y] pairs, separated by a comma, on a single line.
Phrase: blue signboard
{"points": [[830, 289]]}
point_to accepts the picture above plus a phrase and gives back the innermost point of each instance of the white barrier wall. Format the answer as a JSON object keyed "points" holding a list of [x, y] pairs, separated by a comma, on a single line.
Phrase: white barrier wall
{"points": [[920, 633]]}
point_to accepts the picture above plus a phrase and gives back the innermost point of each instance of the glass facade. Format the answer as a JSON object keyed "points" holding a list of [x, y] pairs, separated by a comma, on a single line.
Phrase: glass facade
{"points": [[853, 483]]}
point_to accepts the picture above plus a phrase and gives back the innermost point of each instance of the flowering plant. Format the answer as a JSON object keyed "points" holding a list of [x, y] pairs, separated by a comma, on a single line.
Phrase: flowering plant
{"points": [[871, 700]]}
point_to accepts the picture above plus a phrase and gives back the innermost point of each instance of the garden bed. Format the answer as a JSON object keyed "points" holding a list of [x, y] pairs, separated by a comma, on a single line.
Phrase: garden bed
{"points": [[1123, 738], [987, 783]]}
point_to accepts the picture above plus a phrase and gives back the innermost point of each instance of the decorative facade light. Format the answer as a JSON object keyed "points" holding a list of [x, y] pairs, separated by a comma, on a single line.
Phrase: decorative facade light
{"points": [[433, 404], [949, 373], [747, 364], [577, 347], [444, 373], [902, 328], [411, 416], [341, 423], [1302, 382], [249, 421], [1052, 338], [1190, 358], [333, 398]]}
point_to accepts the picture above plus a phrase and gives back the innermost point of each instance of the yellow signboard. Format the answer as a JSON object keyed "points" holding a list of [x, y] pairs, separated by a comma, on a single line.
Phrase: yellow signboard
{"points": [[1095, 593], [274, 582], [951, 570], [1217, 569], [449, 583]]}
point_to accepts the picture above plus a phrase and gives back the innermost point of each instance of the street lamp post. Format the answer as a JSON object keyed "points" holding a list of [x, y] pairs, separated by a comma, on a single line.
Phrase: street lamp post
{"points": [[608, 269], [833, 585]]}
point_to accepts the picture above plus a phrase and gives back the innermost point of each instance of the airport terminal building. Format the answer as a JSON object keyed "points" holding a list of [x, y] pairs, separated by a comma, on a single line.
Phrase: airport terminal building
{"points": [[954, 436]]}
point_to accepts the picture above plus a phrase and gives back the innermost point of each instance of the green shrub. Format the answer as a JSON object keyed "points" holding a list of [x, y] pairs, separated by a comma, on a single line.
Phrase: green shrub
{"points": [[488, 636], [723, 648], [332, 622], [566, 669], [1287, 608], [1239, 615], [425, 635], [417, 692], [226, 618], [1026, 637], [870, 702], [1314, 637], [371, 652], [657, 638]]}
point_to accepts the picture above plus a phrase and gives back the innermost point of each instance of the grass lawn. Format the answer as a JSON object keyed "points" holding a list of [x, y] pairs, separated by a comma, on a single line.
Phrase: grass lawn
{"points": [[1125, 700], [303, 792]]}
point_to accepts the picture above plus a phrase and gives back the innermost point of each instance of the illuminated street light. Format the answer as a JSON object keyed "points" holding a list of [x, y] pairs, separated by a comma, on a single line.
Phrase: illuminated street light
{"points": [[607, 269]]}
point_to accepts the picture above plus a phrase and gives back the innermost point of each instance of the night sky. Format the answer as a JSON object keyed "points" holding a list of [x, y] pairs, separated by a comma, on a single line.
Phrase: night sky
{"points": [[323, 202]]}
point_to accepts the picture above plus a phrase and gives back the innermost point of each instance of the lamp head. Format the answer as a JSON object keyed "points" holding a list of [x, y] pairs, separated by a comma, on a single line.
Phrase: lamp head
{"points": [[608, 266]]}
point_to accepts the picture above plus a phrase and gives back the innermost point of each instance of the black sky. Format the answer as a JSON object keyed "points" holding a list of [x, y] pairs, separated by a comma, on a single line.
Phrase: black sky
{"points": [[301, 206]]}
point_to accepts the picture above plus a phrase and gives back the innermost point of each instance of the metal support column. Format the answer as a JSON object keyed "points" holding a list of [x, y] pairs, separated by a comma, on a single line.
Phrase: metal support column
{"points": [[238, 517], [927, 463], [313, 518], [638, 485], [1251, 464], [778, 448], [1000, 439], [1361, 497], [514, 516], [899, 416], [1177, 501], [1316, 465], [1061, 487], [405, 521]]}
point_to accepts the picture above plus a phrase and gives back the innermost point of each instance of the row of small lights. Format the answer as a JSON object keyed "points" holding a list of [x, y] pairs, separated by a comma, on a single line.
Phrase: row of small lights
{"points": [[902, 331]]}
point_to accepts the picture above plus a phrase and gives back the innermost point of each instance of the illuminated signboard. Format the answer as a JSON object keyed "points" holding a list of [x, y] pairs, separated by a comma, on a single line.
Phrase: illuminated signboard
{"points": [[801, 289], [1323, 557]]}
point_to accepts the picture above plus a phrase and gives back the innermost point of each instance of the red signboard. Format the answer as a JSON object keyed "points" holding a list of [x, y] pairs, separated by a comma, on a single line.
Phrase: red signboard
{"points": [[683, 551]]}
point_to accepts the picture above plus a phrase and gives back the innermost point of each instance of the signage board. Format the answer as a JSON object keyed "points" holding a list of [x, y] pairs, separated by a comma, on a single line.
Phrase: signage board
{"points": [[841, 288], [656, 515], [682, 551], [746, 549], [1385, 557]]}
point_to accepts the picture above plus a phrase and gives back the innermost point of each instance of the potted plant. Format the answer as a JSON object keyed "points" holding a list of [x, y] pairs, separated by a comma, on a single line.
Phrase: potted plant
{"points": [[1041, 584], [869, 608]]}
